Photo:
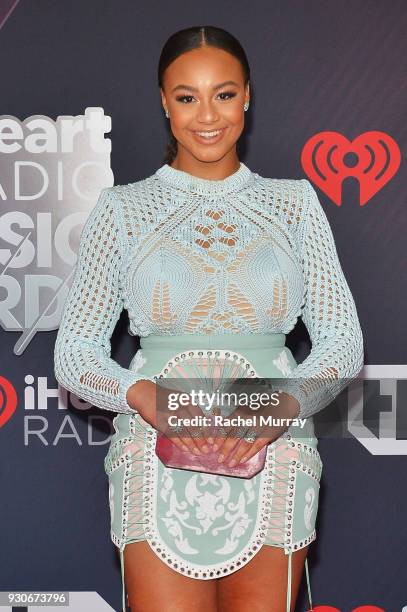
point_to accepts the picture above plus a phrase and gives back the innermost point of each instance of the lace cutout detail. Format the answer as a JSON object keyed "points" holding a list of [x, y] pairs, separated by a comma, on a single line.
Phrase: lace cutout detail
{"points": [[245, 254], [82, 361], [329, 314]]}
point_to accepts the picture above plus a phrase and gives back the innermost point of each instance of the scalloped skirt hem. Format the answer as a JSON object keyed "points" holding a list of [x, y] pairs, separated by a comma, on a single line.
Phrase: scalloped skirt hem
{"points": [[289, 575]]}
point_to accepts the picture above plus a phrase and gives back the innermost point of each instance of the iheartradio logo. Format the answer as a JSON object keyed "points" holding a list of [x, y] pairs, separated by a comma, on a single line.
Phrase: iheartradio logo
{"points": [[8, 400], [328, 158]]}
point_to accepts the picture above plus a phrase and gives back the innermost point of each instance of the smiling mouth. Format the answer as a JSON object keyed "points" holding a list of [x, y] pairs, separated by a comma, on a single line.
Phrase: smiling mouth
{"points": [[208, 135]]}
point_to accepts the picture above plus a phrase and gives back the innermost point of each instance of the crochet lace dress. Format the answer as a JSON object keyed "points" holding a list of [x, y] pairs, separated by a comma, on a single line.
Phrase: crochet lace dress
{"points": [[186, 255]]}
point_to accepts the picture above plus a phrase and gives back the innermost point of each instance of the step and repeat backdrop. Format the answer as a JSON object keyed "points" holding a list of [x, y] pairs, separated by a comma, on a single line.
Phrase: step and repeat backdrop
{"points": [[79, 111]]}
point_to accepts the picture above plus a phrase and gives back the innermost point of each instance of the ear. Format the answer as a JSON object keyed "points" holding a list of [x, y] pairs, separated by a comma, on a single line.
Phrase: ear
{"points": [[163, 99], [247, 92]]}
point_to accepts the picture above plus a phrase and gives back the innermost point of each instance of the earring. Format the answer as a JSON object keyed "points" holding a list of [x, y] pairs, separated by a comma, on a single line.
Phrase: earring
{"points": [[167, 114], [246, 106]]}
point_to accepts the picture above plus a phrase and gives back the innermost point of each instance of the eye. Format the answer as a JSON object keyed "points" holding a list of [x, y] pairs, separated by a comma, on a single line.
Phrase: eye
{"points": [[182, 98], [231, 94]]}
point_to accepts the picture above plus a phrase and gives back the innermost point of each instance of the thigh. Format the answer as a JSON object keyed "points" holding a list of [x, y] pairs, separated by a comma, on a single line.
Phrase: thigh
{"points": [[152, 586], [261, 585]]}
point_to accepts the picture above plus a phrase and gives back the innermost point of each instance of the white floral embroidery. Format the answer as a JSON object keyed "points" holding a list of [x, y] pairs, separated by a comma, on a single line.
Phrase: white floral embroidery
{"points": [[310, 499], [138, 361], [111, 501], [208, 506], [282, 363], [200, 508]]}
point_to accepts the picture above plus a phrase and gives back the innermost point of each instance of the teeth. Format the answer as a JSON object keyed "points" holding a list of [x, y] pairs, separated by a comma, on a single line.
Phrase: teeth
{"points": [[209, 134]]}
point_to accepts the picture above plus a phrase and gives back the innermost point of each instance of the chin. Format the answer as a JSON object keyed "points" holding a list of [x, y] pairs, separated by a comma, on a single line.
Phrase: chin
{"points": [[210, 156]]}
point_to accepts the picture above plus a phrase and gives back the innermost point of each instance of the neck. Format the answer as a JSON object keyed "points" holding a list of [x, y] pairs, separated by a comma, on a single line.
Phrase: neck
{"points": [[211, 170]]}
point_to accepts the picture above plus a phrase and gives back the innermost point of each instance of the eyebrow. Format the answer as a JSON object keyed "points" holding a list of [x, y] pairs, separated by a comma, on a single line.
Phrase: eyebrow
{"points": [[214, 88]]}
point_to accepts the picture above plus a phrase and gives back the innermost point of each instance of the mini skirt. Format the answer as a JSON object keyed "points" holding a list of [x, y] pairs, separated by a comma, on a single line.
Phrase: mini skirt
{"points": [[203, 525]]}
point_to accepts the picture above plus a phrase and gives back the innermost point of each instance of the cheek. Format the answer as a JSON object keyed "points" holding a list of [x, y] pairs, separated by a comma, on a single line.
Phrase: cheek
{"points": [[181, 119], [233, 113], [236, 122], [235, 116]]}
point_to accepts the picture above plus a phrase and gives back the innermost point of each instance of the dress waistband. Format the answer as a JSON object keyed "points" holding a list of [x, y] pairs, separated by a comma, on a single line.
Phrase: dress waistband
{"points": [[230, 341]]}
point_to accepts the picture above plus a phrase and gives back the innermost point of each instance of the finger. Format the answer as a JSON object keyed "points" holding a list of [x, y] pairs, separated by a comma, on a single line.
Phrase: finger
{"points": [[181, 436], [233, 432], [200, 441], [236, 432], [262, 439], [190, 441], [246, 448], [201, 432], [178, 434], [254, 449], [228, 445], [197, 432], [179, 444], [221, 435], [185, 444], [243, 449], [188, 434], [171, 434]]}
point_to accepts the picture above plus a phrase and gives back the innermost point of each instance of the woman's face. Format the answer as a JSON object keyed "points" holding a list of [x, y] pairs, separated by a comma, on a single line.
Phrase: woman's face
{"points": [[203, 92]]}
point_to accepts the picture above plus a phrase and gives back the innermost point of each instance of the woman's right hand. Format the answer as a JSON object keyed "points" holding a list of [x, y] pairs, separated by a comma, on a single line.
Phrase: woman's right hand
{"points": [[142, 397]]}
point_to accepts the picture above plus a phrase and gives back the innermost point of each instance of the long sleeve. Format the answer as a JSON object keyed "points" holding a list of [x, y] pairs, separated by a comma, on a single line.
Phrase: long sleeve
{"points": [[329, 314], [82, 362]]}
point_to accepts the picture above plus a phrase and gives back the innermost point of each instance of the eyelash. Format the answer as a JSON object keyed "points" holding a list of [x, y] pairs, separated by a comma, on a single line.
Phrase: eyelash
{"points": [[232, 94]]}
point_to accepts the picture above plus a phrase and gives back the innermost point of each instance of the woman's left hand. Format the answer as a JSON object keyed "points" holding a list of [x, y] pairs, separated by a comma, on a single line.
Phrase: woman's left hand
{"points": [[233, 450]]}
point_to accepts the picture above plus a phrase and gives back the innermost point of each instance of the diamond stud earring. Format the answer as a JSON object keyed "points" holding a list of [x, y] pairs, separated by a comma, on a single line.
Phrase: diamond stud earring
{"points": [[246, 106], [167, 114]]}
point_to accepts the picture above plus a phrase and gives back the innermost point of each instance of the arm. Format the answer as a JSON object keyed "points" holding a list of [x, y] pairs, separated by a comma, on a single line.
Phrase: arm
{"points": [[82, 362], [329, 314]]}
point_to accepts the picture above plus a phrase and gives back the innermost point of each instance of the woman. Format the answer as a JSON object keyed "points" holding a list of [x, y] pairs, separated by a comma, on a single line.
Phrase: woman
{"points": [[206, 254]]}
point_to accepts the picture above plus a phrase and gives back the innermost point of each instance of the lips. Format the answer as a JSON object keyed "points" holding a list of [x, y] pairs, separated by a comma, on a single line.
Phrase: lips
{"points": [[208, 132], [208, 136]]}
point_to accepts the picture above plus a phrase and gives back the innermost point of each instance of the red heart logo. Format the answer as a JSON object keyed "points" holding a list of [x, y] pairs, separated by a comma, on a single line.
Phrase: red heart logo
{"points": [[8, 400], [368, 609], [377, 156], [324, 609], [6, 8]]}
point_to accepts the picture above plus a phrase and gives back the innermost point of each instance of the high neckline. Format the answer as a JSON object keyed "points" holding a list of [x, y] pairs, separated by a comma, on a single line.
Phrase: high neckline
{"points": [[183, 180]]}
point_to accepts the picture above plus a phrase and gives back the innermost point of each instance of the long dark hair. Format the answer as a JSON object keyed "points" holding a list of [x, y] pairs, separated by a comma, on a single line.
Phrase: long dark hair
{"points": [[193, 38]]}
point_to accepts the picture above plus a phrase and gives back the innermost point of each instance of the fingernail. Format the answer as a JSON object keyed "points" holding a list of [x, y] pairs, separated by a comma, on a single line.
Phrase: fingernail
{"points": [[232, 462], [205, 448], [215, 447], [210, 440], [243, 459], [221, 458]]}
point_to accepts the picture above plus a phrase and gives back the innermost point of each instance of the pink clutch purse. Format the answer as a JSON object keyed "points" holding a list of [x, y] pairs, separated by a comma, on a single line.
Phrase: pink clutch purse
{"points": [[172, 456], [211, 370]]}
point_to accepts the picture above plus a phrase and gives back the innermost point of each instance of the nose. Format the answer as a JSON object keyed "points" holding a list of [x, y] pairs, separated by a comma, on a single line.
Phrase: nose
{"points": [[207, 112]]}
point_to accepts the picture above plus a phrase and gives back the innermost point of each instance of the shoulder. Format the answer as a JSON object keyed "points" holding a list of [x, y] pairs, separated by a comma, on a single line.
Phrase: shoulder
{"points": [[135, 203], [299, 189], [134, 188], [290, 199], [284, 185]]}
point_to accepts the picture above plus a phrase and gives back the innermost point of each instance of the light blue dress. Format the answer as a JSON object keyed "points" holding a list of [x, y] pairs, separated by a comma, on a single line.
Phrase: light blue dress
{"points": [[221, 268]]}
